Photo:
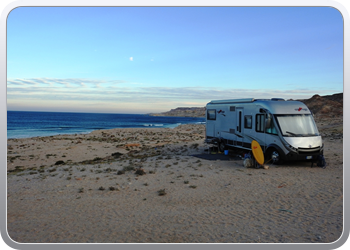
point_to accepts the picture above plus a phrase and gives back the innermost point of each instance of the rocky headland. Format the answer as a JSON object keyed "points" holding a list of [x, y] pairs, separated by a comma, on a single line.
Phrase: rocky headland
{"points": [[184, 112]]}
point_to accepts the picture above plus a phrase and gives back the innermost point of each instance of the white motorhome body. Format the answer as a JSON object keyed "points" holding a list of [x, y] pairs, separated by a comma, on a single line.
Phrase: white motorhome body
{"points": [[285, 130]]}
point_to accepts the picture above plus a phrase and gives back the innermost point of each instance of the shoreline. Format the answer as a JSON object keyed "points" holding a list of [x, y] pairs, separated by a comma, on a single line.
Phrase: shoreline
{"points": [[151, 185], [172, 126], [21, 151]]}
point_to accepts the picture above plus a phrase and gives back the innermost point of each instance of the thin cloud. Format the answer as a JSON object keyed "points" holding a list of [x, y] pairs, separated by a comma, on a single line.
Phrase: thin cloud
{"points": [[23, 82], [112, 94], [67, 82]]}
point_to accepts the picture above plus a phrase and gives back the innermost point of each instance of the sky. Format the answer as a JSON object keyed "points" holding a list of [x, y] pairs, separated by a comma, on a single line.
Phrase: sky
{"points": [[152, 59]]}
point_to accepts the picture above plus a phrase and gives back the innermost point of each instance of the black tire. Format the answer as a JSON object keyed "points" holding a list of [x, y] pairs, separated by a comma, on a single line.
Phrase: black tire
{"points": [[274, 156], [222, 147]]}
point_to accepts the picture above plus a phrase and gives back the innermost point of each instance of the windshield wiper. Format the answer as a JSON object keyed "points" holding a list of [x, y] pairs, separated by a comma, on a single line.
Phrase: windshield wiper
{"points": [[296, 135], [291, 133], [312, 134]]}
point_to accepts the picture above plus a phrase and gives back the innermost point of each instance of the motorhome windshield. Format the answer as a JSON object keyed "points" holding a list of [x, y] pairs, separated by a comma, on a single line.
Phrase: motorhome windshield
{"points": [[297, 125]]}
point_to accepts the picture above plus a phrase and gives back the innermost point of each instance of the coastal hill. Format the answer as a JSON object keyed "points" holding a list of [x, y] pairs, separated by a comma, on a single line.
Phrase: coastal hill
{"points": [[325, 106], [184, 112]]}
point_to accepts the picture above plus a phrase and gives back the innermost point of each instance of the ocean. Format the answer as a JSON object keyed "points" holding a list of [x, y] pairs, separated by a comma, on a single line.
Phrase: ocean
{"points": [[26, 124]]}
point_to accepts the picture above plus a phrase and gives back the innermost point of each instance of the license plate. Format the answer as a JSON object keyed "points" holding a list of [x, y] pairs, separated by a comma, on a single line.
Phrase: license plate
{"points": [[308, 157]]}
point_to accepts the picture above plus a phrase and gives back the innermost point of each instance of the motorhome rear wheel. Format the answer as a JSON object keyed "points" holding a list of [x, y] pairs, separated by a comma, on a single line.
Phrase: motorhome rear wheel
{"points": [[222, 146]]}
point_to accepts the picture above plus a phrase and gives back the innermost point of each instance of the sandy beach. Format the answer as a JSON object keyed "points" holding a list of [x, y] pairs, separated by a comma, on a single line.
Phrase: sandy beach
{"points": [[160, 186]]}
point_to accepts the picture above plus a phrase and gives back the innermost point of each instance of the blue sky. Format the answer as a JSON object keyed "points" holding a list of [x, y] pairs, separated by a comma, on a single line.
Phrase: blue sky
{"points": [[152, 59]]}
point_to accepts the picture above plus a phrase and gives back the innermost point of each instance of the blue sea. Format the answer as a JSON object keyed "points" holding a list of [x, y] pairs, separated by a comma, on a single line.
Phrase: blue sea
{"points": [[25, 124]]}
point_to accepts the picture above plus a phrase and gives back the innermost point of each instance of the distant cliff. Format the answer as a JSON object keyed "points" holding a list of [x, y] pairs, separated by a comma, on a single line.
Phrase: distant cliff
{"points": [[327, 106], [184, 112]]}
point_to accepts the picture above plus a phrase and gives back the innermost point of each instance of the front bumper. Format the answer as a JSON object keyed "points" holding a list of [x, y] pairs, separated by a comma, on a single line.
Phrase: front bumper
{"points": [[300, 156]]}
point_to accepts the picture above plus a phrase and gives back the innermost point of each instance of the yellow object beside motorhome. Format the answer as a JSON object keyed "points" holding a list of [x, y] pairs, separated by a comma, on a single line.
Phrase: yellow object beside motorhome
{"points": [[257, 152]]}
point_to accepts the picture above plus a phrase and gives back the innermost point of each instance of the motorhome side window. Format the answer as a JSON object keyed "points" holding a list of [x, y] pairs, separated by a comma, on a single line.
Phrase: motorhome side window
{"points": [[211, 114], [260, 123], [248, 121]]}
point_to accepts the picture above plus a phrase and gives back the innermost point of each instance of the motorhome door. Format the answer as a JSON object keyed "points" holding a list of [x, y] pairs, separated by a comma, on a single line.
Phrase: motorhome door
{"points": [[211, 120], [240, 127]]}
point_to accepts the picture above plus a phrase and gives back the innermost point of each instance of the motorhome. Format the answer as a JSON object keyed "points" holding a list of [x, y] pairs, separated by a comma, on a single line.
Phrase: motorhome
{"points": [[285, 130]]}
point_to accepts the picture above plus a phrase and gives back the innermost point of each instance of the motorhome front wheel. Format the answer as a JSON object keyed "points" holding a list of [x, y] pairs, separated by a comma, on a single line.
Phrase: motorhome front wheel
{"points": [[275, 157]]}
